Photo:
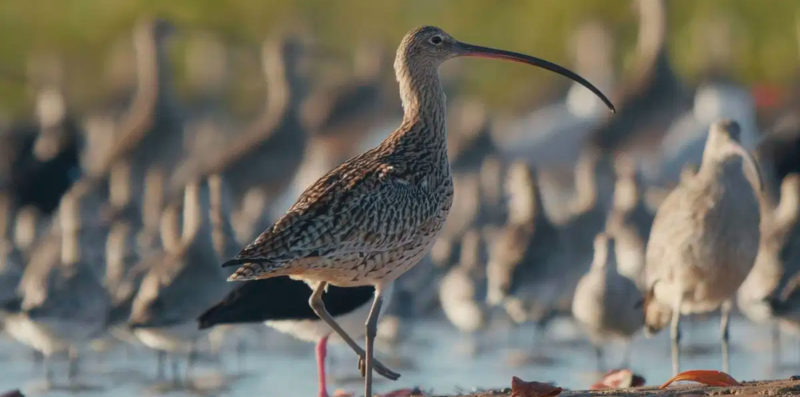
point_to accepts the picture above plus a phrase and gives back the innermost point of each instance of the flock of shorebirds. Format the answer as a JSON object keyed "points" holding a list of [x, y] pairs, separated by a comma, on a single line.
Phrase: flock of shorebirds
{"points": [[643, 216]]}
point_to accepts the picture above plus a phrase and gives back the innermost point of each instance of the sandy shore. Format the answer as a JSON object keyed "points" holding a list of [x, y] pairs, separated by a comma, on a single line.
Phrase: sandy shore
{"points": [[781, 387]]}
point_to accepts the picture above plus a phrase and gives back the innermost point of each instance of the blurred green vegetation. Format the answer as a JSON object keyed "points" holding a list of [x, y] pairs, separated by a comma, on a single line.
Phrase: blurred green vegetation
{"points": [[81, 33]]}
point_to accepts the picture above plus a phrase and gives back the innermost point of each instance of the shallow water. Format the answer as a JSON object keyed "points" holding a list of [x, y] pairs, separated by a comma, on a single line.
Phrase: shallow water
{"points": [[433, 356]]}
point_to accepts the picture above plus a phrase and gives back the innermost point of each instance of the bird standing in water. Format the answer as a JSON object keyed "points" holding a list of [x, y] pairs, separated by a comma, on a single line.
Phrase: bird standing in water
{"points": [[372, 218], [704, 239]]}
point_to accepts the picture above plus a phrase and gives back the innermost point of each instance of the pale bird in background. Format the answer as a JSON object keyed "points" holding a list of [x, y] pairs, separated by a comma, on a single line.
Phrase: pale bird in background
{"points": [[704, 238], [606, 303]]}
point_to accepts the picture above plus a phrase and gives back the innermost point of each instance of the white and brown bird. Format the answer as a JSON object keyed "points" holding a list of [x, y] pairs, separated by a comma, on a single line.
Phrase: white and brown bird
{"points": [[605, 302], [629, 223], [704, 238], [778, 253], [181, 282], [374, 217]]}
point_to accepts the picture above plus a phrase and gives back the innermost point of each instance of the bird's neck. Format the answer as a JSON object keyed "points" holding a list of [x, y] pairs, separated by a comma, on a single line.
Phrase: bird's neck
{"points": [[153, 69], [424, 104]]}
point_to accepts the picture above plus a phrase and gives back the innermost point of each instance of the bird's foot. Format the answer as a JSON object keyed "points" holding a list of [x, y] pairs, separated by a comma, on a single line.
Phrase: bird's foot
{"points": [[378, 367], [396, 393], [403, 393]]}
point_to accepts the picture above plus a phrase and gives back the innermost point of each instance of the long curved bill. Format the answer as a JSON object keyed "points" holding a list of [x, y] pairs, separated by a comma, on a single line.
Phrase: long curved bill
{"points": [[752, 163], [486, 52]]}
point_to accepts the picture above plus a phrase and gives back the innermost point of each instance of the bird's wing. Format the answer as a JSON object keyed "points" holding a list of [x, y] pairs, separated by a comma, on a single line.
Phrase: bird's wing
{"points": [[674, 234], [368, 204]]}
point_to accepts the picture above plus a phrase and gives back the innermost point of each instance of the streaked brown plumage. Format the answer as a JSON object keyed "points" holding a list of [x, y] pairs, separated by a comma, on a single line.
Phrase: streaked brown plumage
{"points": [[372, 218]]}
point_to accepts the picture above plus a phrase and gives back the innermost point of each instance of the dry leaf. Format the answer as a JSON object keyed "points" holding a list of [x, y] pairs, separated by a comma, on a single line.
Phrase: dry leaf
{"points": [[704, 376], [521, 388], [618, 379]]}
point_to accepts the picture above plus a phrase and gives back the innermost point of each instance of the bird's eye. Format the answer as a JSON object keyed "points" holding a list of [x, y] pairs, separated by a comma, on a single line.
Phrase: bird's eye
{"points": [[436, 40]]}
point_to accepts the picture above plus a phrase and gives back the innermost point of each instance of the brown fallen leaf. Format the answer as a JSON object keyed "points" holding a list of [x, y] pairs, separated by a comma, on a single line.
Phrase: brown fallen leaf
{"points": [[521, 388], [618, 379], [704, 376]]}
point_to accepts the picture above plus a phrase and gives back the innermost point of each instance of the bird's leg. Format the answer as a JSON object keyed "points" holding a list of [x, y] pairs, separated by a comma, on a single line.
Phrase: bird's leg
{"points": [[191, 358], [48, 370], [322, 352], [626, 363], [372, 330], [598, 351], [318, 306], [161, 357], [776, 346], [725, 316], [675, 336], [72, 369], [176, 377], [240, 351]]}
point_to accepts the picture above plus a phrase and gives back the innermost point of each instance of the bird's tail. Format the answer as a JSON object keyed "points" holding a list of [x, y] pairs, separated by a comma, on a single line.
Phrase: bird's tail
{"points": [[253, 269]]}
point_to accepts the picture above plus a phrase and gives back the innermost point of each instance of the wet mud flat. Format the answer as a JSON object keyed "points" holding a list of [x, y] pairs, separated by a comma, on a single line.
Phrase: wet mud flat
{"points": [[779, 387]]}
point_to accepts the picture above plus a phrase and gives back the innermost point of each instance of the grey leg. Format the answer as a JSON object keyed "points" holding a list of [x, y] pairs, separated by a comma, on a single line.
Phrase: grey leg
{"points": [[240, 352], [47, 366], [72, 372], [190, 361], [176, 376], [725, 316], [318, 306], [776, 346], [372, 330], [675, 336], [626, 363], [598, 351], [161, 356]]}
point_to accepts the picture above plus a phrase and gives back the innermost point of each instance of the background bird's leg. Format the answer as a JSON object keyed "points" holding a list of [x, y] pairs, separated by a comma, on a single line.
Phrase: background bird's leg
{"points": [[598, 351], [725, 316], [161, 357], [318, 306], [48, 370], [776, 346], [675, 336], [372, 330], [191, 358], [72, 370], [626, 363]]}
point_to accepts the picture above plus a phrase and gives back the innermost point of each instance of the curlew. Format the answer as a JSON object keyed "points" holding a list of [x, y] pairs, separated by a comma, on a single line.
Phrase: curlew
{"points": [[605, 300], [460, 288], [629, 223], [182, 282], [653, 97], [282, 303], [340, 115], [372, 218], [11, 259], [525, 256], [704, 238], [64, 304], [259, 164], [759, 297]]}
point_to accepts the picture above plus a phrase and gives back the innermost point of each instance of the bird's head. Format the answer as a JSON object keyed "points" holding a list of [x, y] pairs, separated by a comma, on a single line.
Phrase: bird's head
{"points": [[723, 146], [657, 315], [425, 48]]}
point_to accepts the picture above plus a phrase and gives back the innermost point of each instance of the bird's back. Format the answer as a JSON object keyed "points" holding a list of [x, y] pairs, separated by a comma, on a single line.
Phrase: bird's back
{"points": [[373, 215]]}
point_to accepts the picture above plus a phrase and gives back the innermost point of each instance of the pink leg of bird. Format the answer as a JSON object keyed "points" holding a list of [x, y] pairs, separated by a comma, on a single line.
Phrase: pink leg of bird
{"points": [[322, 352]]}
